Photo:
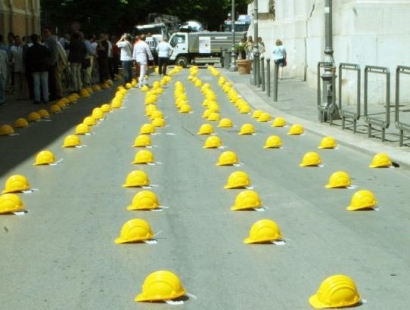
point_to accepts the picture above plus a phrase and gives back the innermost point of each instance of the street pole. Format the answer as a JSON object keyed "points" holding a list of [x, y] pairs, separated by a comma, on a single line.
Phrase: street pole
{"points": [[329, 107], [233, 55], [255, 45]]}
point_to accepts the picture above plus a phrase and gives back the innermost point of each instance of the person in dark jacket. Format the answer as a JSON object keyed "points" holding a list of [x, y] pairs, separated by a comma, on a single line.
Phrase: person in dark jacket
{"points": [[76, 57], [37, 65], [102, 53]]}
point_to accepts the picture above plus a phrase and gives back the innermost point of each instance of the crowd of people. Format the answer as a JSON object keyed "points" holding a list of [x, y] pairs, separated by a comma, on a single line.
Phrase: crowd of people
{"points": [[41, 68]]}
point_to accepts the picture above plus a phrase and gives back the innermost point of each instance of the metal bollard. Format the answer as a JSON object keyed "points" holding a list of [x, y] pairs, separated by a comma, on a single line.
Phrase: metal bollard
{"points": [[262, 72], [268, 76], [275, 82]]}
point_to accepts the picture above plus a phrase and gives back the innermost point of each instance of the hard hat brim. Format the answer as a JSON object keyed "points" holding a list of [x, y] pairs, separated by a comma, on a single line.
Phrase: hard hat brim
{"points": [[316, 303], [142, 297], [353, 208]]}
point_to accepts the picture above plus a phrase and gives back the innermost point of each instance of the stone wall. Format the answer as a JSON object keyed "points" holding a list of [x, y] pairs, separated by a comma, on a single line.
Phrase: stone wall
{"points": [[365, 32], [21, 17]]}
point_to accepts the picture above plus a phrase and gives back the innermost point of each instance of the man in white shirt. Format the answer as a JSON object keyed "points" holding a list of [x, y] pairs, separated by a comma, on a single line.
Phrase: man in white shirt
{"points": [[164, 50], [141, 54], [124, 43], [20, 85]]}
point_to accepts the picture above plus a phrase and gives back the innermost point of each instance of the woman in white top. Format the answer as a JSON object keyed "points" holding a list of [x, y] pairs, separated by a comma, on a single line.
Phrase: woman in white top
{"points": [[279, 56]]}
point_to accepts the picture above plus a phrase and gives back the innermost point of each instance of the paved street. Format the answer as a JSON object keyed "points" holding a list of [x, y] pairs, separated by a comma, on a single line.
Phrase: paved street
{"points": [[62, 255]]}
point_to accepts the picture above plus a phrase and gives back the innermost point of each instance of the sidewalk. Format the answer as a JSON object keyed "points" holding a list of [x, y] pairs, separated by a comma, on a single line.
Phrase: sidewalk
{"points": [[297, 103]]}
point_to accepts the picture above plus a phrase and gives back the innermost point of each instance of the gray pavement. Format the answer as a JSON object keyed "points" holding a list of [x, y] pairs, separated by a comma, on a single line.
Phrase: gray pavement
{"points": [[61, 254]]}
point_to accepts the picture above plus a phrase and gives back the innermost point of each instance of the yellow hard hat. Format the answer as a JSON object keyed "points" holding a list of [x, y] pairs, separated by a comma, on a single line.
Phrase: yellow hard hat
{"points": [[21, 122], [33, 116], [185, 108], [244, 109], [156, 114], [263, 231], [273, 142], [296, 129], [337, 291], [213, 107], [55, 109], [97, 113], [257, 113], [225, 123], [237, 179], [144, 200], [310, 159], [43, 113], [206, 113], [247, 129], [205, 129], [214, 116], [6, 130], [246, 200], [10, 203], [212, 142], [82, 129], [135, 230], [227, 158], [143, 157], [116, 103], [16, 183], [61, 104], [149, 109], [339, 179], [161, 285], [381, 160], [106, 107], [44, 158], [84, 93], [128, 85], [327, 142], [158, 122], [72, 141], [147, 129], [362, 199], [279, 122], [264, 117], [142, 141], [90, 121], [136, 178], [96, 88]]}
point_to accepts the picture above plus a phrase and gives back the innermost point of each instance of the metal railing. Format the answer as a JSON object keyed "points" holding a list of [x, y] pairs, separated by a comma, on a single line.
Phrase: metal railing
{"points": [[400, 70], [373, 119], [345, 114]]}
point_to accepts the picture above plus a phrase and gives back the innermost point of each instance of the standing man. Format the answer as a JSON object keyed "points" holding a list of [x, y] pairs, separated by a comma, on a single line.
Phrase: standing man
{"points": [[37, 64], [124, 43], [164, 50], [76, 56], [102, 54], [142, 53], [20, 84], [4, 62], [51, 44]]}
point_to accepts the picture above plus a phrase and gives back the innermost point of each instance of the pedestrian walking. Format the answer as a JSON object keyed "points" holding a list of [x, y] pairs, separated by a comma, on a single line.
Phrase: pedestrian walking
{"points": [[279, 56], [164, 50], [124, 44], [141, 54]]}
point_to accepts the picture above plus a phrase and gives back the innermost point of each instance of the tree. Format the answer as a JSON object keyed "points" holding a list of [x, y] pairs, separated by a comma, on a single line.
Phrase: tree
{"points": [[117, 16]]}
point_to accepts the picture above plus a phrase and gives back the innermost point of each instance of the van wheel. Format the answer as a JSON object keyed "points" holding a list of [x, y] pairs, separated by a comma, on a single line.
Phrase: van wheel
{"points": [[182, 61]]}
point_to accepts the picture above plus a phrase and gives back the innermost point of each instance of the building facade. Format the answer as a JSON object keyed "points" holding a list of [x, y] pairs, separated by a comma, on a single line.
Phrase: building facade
{"points": [[365, 32], [21, 17]]}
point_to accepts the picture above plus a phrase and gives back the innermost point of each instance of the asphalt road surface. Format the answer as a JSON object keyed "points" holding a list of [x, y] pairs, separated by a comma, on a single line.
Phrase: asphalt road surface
{"points": [[62, 255]]}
